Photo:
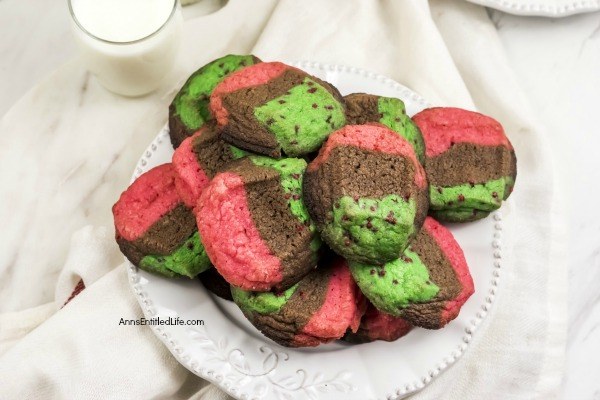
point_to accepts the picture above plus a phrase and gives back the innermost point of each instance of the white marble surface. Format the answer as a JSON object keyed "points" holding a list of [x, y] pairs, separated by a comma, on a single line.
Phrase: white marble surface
{"points": [[556, 61]]}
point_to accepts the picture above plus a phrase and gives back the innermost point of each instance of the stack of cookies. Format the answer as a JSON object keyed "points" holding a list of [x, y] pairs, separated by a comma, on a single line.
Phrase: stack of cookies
{"points": [[316, 214]]}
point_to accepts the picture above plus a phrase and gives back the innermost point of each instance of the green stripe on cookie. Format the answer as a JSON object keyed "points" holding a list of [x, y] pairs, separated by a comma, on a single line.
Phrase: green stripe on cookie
{"points": [[393, 115], [303, 118], [371, 228], [191, 104], [291, 171], [397, 284], [261, 302], [157, 268], [482, 196], [237, 152], [189, 260]]}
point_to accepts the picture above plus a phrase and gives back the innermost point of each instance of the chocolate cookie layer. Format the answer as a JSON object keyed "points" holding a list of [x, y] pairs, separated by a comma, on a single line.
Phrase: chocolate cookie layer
{"points": [[276, 110], [214, 282], [213, 153], [155, 230], [362, 108], [318, 309], [198, 159], [164, 236], [189, 109], [292, 238], [306, 298], [470, 163], [367, 193], [258, 200], [427, 286]]}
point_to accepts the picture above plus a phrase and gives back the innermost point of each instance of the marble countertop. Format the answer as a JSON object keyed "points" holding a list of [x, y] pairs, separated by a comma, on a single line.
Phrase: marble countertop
{"points": [[557, 63]]}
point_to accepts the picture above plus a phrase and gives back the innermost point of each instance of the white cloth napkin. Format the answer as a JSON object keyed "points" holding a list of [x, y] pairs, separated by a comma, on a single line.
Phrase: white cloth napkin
{"points": [[447, 51]]}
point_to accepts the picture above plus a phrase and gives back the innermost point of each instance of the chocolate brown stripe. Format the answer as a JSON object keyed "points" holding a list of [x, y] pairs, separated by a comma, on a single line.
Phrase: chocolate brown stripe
{"points": [[241, 122], [361, 336], [283, 233], [441, 272], [261, 141], [274, 328], [317, 189], [469, 163], [355, 172], [330, 88], [215, 283], [362, 108], [178, 132], [177, 129], [422, 208], [163, 237], [512, 171], [211, 151], [308, 298]]}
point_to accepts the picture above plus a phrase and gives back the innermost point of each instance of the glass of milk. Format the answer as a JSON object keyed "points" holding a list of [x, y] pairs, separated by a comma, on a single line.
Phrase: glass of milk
{"points": [[129, 45]]}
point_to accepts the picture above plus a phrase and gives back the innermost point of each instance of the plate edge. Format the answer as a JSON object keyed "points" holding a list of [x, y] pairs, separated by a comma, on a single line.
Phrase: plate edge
{"points": [[539, 9]]}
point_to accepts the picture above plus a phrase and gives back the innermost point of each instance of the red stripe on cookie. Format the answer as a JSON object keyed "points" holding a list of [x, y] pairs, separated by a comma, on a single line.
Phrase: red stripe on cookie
{"points": [[253, 75], [444, 239], [443, 126], [232, 241], [191, 179], [150, 197], [343, 308], [380, 138]]}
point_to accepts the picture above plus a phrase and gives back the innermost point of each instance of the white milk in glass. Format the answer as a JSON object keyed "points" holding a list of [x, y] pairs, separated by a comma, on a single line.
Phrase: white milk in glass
{"points": [[130, 45]]}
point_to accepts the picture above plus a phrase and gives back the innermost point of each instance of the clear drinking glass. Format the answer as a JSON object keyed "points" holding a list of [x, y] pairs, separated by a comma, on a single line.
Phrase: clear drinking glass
{"points": [[129, 45]]}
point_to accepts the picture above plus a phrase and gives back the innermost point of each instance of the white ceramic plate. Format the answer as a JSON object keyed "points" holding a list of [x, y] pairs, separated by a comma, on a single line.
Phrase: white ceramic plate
{"points": [[542, 8], [230, 352]]}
